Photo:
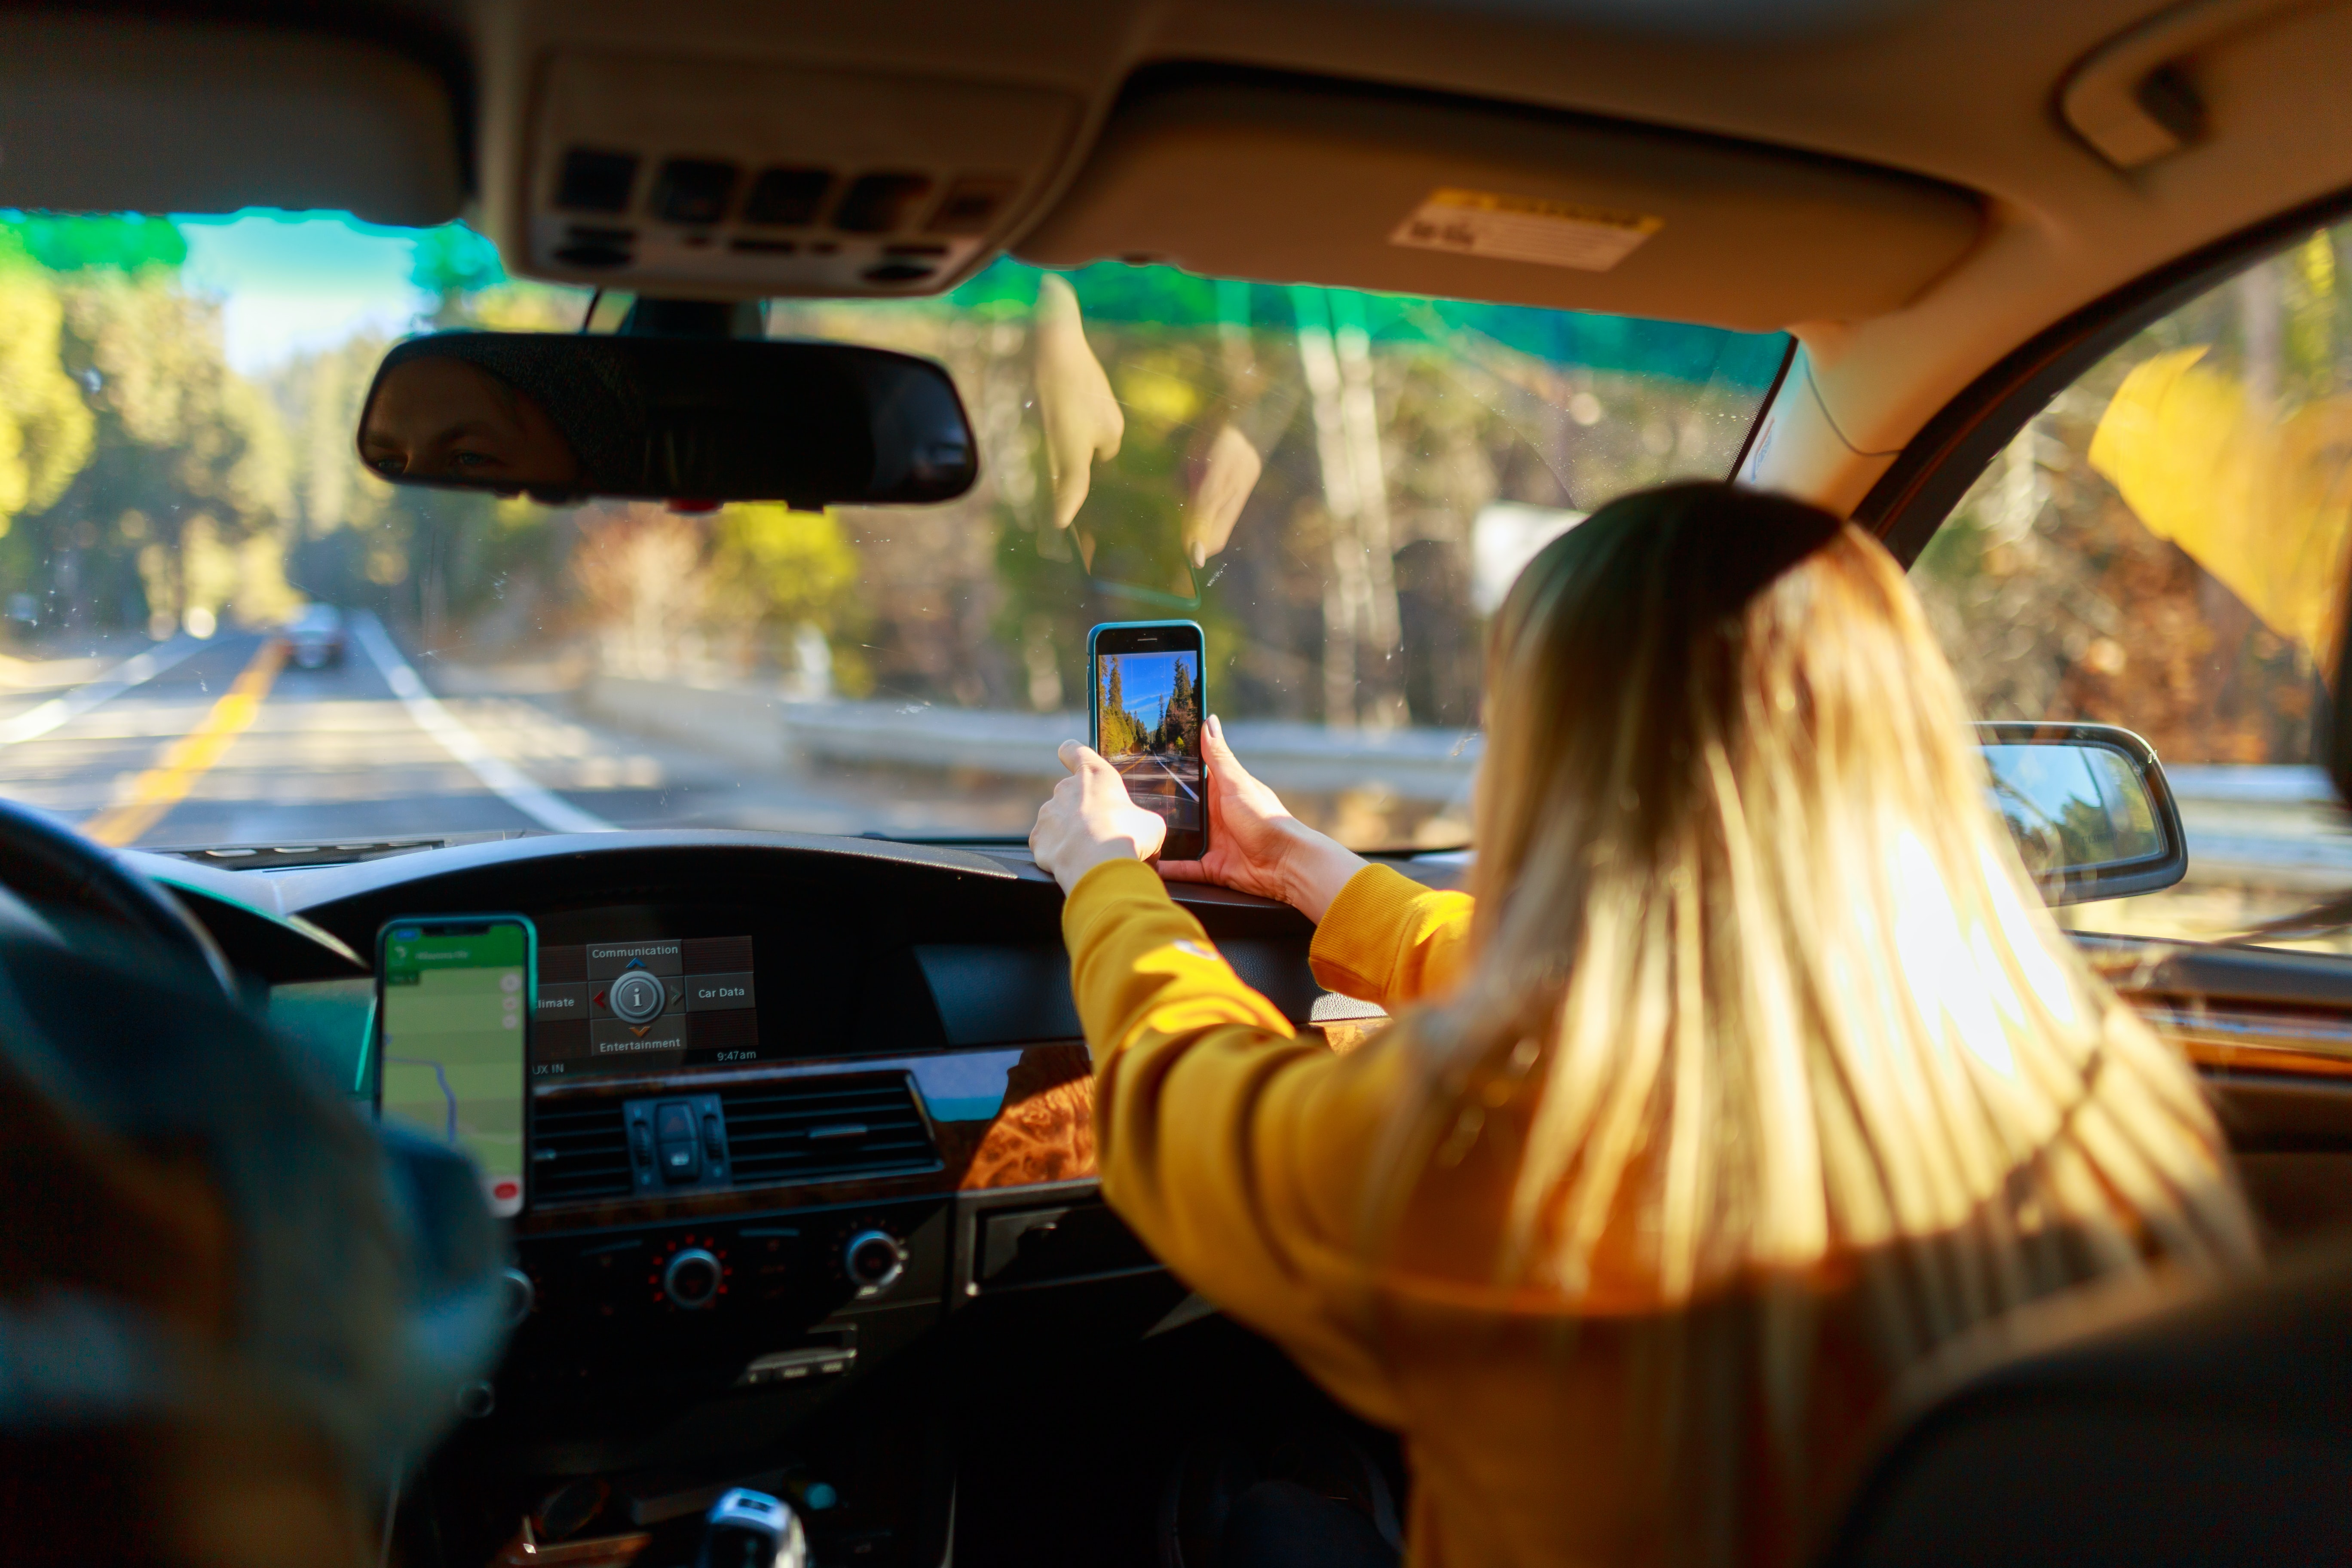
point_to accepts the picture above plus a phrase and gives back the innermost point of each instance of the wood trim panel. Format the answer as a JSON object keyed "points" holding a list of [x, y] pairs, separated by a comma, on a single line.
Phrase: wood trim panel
{"points": [[2239, 1039], [1043, 1129]]}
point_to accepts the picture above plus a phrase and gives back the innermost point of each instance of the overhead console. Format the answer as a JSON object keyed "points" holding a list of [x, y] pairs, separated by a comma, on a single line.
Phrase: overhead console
{"points": [[741, 178], [756, 179]]}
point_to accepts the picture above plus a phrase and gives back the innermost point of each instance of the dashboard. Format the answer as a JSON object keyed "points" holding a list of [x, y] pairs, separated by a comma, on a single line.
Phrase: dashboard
{"points": [[811, 1158], [813, 1204]]}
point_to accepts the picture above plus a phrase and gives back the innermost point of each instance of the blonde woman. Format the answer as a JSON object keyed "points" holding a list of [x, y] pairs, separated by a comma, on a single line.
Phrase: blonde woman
{"points": [[1754, 1071]]}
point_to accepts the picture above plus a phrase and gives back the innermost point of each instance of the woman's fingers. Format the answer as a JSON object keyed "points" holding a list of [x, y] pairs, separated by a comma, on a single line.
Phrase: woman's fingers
{"points": [[1226, 767]]}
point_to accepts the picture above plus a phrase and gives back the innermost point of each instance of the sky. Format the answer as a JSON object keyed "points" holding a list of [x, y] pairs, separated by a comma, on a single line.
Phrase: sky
{"points": [[293, 283], [1144, 679]]}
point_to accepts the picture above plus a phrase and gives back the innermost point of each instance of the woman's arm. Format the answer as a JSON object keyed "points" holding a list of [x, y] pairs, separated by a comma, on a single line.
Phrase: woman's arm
{"points": [[1378, 936], [1255, 846], [1235, 1150], [1389, 939]]}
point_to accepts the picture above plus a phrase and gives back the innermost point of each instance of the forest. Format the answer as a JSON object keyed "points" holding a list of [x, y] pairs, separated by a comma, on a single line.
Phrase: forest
{"points": [[2159, 547], [1175, 726], [146, 484]]}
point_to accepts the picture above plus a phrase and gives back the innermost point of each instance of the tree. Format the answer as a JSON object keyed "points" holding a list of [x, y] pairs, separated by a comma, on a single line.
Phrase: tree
{"points": [[182, 499], [777, 575], [45, 427], [1181, 726], [1120, 730], [452, 262]]}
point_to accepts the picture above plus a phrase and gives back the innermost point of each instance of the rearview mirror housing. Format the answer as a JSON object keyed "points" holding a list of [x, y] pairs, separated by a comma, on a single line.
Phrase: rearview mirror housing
{"points": [[2089, 808], [562, 418]]}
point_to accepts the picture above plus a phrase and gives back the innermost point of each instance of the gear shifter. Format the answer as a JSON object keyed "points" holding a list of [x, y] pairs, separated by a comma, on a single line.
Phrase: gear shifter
{"points": [[751, 1530]]}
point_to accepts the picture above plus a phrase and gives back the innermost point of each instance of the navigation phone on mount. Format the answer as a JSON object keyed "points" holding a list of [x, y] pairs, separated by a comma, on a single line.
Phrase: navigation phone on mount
{"points": [[453, 1021], [1148, 706]]}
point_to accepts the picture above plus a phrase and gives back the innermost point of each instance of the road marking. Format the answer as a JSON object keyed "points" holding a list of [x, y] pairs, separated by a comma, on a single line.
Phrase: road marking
{"points": [[1180, 783], [39, 721], [167, 783], [501, 777]]}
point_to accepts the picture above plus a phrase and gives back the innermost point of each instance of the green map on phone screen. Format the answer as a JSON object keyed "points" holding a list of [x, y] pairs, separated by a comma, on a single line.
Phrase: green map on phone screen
{"points": [[453, 1045]]}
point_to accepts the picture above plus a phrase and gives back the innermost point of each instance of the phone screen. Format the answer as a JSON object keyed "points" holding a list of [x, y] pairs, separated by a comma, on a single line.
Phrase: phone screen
{"points": [[454, 1011], [1149, 706]]}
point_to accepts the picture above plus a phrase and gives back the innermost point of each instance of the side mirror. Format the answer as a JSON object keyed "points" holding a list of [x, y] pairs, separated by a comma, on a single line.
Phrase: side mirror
{"points": [[561, 417], [2089, 808]]}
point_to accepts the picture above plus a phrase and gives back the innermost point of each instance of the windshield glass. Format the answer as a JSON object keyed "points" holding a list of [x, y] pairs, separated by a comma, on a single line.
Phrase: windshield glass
{"points": [[222, 629]]}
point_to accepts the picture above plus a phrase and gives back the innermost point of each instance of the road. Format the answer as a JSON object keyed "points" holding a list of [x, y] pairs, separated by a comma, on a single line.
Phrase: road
{"points": [[224, 741], [1172, 793], [189, 743]]}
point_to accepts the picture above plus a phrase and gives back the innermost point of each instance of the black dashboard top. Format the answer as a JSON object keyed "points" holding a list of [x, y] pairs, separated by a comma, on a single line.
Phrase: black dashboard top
{"points": [[315, 921]]}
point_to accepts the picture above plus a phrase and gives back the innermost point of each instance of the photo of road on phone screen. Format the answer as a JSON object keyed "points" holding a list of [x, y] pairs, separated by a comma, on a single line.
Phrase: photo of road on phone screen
{"points": [[1148, 714]]}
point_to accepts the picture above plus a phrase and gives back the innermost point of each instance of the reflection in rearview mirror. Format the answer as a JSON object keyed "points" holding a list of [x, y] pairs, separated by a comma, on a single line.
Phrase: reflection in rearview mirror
{"points": [[716, 420], [2088, 807]]}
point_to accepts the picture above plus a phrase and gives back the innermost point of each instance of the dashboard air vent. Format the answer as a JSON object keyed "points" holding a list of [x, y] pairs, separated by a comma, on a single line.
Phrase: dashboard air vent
{"points": [[579, 1151], [827, 1129]]}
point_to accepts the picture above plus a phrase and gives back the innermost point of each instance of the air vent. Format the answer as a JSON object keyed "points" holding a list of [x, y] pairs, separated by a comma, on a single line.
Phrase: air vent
{"points": [[579, 1151], [827, 1129]]}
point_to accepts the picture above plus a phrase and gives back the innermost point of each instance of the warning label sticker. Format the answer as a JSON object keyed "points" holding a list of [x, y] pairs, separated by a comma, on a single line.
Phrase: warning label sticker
{"points": [[1525, 229]]}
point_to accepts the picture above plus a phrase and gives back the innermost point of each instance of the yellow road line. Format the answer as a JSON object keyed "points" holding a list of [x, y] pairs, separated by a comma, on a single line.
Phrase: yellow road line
{"points": [[167, 783]]}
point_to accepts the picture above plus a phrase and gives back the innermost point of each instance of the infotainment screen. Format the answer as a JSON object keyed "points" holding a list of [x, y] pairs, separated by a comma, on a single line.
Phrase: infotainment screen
{"points": [[645, 1005]]}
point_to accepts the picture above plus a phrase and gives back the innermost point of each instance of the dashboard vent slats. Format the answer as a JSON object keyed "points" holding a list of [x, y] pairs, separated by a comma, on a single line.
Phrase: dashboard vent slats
{"points": [[579, 1151], [827, 1129]]}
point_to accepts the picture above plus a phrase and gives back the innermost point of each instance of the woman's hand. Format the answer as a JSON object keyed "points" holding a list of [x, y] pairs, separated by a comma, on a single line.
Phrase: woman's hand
{"points": [[1089, 819], [1255, 846]]}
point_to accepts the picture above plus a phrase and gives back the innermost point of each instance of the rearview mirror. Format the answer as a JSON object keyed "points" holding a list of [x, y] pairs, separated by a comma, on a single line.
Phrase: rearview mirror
{"points": [[2089, 808], [704, 419]]}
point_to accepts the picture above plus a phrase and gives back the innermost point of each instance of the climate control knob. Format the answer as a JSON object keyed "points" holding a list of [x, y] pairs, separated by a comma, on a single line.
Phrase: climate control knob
{"points": [[874, 1259], [691, 1281]]}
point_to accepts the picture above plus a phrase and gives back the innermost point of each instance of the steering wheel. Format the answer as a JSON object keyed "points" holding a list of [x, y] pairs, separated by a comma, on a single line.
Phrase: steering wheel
{"points": [[44, 862]]}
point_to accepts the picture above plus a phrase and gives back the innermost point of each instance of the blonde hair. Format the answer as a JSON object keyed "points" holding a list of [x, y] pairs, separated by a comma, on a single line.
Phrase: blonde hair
{"points": [[1758, 969]]}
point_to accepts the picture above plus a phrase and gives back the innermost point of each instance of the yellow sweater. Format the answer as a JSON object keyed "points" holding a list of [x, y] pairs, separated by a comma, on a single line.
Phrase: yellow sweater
{"points": [[1236, 1150], [1246, 1156]]}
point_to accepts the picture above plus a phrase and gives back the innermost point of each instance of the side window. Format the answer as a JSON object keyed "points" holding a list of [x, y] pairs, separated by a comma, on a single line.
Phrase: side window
{"points": [[2162, 548]]}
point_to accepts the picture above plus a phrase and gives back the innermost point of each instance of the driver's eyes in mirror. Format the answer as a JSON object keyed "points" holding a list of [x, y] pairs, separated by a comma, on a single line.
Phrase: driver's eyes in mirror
{"points": [[436, 418]]}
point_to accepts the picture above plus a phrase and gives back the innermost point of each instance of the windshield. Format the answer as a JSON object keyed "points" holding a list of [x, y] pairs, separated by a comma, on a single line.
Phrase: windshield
{"points": [[222, 629]]}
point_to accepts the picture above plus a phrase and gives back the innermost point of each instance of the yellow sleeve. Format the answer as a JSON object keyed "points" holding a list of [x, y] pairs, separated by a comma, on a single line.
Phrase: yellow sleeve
{"points": [[1389, 939], [1236, 1151]]}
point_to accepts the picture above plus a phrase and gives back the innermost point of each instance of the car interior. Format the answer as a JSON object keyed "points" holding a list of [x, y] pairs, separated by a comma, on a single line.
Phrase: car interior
{"points": [[848, 1250]]}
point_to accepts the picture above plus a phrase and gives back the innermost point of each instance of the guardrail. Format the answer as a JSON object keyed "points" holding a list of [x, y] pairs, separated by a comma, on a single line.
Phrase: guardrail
{"points": [[2263, 826], [763, 728]]}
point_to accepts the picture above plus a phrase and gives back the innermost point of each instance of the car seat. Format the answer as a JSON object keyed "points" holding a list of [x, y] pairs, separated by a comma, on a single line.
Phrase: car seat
{"points": [[2214, 1430]]}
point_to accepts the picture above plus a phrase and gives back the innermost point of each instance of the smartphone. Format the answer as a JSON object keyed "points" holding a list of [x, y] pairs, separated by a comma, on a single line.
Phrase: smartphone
{"points": [[453, 1028], [1148, 705]]}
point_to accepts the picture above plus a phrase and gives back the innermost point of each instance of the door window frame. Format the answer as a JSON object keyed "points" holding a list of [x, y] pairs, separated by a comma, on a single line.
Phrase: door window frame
{"points": [[1926, 481]]}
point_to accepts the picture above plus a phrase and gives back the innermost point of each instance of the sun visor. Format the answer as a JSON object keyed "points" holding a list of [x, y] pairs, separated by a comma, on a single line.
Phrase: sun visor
{"points": [[1287, 180], [106, 112]]}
